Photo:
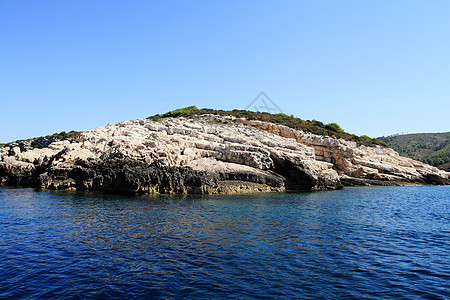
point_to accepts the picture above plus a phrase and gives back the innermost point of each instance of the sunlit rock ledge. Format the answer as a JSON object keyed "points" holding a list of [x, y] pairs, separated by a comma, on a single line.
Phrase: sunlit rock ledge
{"points": [[207, 154]]}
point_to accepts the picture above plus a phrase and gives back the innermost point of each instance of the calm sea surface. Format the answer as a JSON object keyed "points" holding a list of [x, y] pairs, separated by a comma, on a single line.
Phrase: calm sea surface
{"points": [[372, 243]]}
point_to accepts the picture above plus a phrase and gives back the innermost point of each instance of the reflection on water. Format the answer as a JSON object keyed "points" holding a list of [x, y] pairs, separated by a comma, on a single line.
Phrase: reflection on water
{"points": [[354, 243]]}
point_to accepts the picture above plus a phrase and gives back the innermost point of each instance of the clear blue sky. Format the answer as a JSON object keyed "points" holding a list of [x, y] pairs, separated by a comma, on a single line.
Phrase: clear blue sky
{"points": [[374, 67]]}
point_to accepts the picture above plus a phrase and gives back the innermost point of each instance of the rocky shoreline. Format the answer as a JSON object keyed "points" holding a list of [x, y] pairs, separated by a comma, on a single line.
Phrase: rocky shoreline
{"points": [[207, 154]]}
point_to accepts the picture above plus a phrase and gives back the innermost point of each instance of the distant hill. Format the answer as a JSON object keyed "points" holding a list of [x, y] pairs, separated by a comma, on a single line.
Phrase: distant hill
{"points": [[431, 148]]}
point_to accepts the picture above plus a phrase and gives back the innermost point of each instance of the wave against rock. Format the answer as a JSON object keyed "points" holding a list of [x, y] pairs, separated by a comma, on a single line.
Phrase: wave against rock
{"points": [[207, 154]]}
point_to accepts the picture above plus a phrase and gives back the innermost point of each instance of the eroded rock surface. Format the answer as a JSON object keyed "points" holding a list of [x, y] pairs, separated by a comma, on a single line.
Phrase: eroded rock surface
{"points": [[207, 154]]}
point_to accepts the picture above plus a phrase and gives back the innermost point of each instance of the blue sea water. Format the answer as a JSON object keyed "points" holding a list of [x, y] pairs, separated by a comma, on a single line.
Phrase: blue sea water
{"points": [[356, 243]]}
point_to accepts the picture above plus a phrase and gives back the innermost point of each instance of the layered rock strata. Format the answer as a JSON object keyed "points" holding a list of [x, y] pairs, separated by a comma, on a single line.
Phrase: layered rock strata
{"points": [[207, 154]]}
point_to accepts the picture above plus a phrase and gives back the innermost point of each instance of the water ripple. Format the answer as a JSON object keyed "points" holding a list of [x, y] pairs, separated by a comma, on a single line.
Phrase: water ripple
{"points": [[390, 243]]}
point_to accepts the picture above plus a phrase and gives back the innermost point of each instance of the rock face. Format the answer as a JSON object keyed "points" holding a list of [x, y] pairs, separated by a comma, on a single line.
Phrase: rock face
{"points": [[207, 154]]}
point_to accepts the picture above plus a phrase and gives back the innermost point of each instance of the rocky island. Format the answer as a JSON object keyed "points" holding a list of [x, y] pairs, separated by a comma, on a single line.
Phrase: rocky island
{"points": [[207, 152]]}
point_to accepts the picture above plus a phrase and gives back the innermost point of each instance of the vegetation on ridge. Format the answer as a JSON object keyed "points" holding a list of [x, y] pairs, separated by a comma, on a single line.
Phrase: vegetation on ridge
{"points": [[316, 127], [37, 142], [313, 126]]}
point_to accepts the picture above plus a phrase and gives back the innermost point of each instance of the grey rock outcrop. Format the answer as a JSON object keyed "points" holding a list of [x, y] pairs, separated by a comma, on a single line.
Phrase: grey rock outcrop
{"points": [[207, 154]]}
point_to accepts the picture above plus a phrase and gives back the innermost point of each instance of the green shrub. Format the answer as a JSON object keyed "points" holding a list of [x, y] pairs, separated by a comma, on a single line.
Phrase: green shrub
{"points": [[181, 112], [282, 115], [334, 127], [156, 117], [318, 123], [368, 141]]}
